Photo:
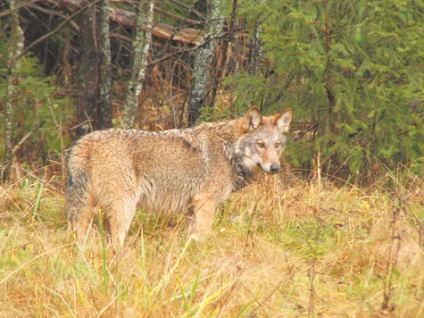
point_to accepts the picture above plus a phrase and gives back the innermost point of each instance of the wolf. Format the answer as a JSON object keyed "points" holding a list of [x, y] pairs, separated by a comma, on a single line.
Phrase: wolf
{"points": [[178, 170]]}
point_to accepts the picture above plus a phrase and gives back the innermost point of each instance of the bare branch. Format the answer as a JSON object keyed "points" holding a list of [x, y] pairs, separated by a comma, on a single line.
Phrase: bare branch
{"points": [[36, 127], [190, 8], [60, 27], [53, 12], [177, 17]]}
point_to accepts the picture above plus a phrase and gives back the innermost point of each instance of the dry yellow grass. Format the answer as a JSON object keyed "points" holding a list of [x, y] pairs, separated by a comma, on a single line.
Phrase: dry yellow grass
{"points": [[279, 249]]}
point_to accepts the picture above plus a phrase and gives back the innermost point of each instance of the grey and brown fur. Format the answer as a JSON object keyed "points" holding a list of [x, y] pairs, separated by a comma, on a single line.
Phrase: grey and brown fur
{"points": [[169, 171]]}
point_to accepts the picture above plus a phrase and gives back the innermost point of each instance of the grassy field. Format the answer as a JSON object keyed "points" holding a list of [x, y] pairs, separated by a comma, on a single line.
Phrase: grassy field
{"points": [[283, 247]]}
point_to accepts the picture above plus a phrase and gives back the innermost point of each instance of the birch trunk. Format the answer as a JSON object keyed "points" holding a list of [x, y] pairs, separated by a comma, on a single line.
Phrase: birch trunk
{"points": [[204, 59], [142, 42], [220, 72], [15, 47], [255, 51]]}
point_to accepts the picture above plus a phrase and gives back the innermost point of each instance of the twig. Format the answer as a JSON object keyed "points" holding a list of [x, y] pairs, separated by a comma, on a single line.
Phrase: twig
{"points": [[48, 35], [311, 275], [52, 12], [189, 8], [192, 49], [36, 127], [249, 231], [23, 5], [391, 263]]}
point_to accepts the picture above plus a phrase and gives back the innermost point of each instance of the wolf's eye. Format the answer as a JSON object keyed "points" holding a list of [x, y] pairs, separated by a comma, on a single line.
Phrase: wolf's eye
{"points": [[261, 144], [277, 144]]}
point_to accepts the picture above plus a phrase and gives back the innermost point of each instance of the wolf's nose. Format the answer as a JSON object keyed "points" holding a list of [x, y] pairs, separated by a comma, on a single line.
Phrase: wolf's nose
{"points": [[274, 167]]}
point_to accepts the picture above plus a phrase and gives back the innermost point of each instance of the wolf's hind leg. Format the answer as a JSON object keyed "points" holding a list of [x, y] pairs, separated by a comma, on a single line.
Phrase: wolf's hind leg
{"points": [[119, 216], [79, 212]]}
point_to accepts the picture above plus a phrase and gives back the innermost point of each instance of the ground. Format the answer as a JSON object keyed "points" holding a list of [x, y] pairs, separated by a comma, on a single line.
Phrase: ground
{"points": [[283, 247]]}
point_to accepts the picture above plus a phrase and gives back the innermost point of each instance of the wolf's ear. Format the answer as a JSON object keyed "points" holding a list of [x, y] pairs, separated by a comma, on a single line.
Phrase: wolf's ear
{"points": [[252, 120], [282, 121]]}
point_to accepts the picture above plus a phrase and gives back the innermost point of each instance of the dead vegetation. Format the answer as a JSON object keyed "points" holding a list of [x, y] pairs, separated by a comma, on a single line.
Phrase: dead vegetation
{"points": [[283, 247]]}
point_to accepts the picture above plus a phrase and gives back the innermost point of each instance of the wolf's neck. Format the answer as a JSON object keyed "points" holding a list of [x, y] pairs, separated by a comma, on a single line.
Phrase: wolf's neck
{"points": [[230, 136], [225, 136]]}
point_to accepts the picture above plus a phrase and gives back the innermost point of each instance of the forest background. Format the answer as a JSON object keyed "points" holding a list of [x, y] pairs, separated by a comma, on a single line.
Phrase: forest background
{"points": [[351, 70], [339, 232]]}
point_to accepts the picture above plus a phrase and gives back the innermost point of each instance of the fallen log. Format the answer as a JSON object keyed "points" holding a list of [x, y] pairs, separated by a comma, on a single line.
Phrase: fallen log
{"points": [[126, 18]]}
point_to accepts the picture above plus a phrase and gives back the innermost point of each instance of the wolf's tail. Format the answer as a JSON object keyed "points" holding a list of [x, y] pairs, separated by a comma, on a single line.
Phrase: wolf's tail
{"points": [[78, 196]]}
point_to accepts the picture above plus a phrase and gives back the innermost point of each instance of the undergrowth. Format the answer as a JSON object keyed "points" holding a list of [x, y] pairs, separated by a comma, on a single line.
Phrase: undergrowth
{"points": [[282, 247]]}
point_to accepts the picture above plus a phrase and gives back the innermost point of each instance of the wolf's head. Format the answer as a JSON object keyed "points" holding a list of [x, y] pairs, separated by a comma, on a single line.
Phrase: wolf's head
{"points": [[262, 140]]}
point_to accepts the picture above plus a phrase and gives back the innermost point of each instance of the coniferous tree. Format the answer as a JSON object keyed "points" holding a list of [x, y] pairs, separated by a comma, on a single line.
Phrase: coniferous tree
{"points": [[356, 67]]}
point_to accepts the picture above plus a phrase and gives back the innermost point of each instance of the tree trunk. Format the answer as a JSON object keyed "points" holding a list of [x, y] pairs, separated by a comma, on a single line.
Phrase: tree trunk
{"points": [[94, 109], [15, 47], [329, 83], [255, 50], [141, 47], [220, 73], [87, 70], [203, 63], [104, 118]]}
